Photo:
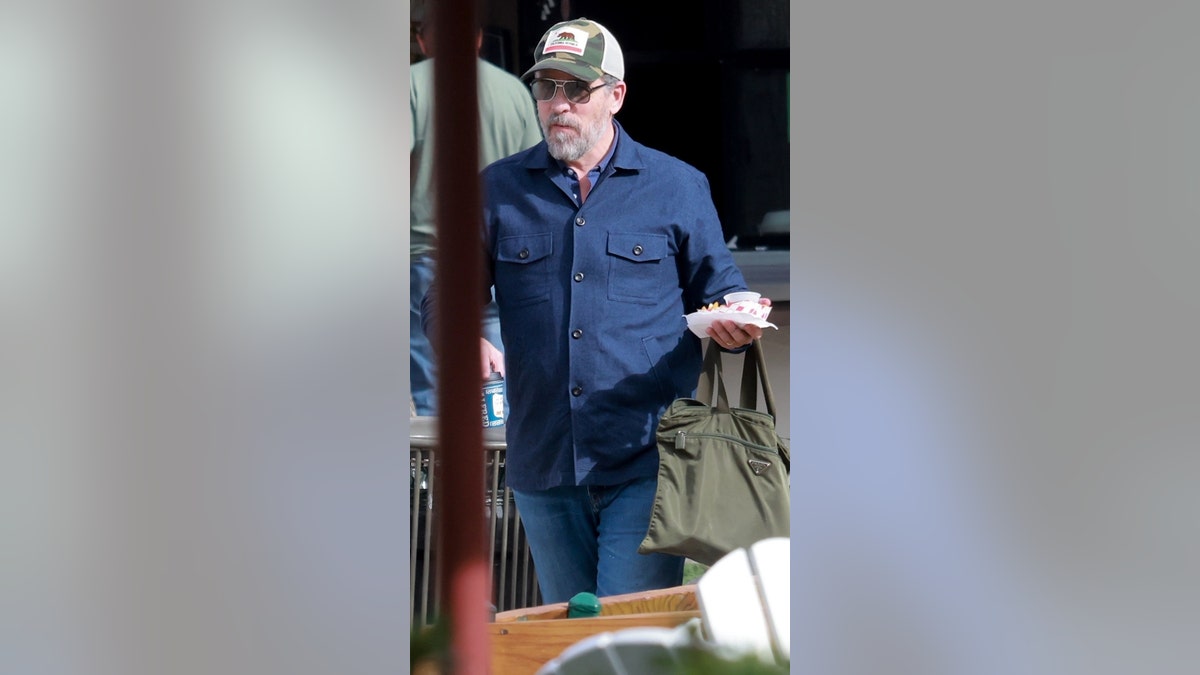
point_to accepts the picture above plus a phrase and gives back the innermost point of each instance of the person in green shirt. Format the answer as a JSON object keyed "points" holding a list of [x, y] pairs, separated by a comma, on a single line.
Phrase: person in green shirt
{"points": [[508, 124]]}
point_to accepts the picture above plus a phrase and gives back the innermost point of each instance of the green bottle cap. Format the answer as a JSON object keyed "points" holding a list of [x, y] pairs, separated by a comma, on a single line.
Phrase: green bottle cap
{"points": [[583, 605]]}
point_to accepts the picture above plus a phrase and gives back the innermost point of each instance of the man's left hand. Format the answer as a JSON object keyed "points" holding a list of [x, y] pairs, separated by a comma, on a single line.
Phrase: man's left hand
{"points": [[730, 335]]}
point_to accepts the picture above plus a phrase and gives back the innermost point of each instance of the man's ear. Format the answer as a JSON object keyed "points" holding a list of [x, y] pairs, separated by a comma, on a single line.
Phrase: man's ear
{"points": [[618, 97]]}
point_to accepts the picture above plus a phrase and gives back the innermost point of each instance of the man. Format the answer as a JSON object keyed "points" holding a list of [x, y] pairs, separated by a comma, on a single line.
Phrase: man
{"points": [[596, 246], [508, 124]]}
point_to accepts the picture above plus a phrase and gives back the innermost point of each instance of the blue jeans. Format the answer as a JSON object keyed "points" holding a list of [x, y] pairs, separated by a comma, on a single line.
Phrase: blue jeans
{"points": [[585, 538], [422, 364]]}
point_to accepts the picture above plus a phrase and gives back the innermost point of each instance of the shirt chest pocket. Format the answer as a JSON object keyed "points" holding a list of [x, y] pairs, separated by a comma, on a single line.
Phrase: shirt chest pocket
{"points": [[522, 272], [640, 268]]}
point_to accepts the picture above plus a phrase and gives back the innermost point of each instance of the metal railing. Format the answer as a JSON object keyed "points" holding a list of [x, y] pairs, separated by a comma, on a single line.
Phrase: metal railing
{"points": [[514, 584]]}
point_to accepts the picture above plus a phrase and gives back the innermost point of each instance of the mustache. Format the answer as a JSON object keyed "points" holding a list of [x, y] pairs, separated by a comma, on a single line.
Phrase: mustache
{"points": [[563, 120]]}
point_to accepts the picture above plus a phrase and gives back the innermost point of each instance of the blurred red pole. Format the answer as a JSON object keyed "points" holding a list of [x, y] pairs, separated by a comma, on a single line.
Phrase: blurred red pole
{"points": [[463, 569]]}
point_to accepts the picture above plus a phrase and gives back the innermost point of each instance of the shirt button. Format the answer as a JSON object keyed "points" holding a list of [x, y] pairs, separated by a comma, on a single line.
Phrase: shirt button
{"points": [[579, 276], [523, 254], [576, 333], [580, 221], [637, 250], [577, 391]]}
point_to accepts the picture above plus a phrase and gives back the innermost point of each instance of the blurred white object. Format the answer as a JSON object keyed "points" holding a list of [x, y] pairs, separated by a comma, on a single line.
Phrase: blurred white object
{"points": [[651, 649], [744, 600]]}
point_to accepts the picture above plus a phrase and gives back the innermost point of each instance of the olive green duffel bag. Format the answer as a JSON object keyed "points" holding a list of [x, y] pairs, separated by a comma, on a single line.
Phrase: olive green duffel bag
{"points": [[723, 472]]}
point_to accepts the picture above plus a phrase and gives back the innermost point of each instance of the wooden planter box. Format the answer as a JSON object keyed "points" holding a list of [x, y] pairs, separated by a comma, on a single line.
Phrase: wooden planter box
{"points": [[522, 640]]}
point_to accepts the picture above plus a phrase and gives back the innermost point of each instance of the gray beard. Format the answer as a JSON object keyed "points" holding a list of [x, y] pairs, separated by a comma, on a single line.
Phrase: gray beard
{"points": [[566, 148]]}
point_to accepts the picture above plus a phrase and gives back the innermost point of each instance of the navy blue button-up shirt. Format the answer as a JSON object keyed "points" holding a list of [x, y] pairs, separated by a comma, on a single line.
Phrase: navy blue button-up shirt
{"points": [[592, 300]]}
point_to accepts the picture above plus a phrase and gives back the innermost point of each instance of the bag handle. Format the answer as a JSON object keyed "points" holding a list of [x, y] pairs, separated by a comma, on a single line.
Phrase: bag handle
{"points": [[710, 376], [755, 363], [754, 373]]}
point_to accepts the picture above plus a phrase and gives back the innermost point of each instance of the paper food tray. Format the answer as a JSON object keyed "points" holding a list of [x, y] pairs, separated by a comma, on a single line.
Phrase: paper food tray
{"points": [[698, 322]]}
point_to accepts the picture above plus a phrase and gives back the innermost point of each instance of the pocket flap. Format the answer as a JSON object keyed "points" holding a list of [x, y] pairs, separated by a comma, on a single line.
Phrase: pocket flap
{"points": [[525, 248], [638, 247]]}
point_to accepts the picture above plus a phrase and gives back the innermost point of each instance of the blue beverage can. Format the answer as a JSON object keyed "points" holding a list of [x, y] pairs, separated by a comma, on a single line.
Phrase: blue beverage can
{"points": [[493, 401]]}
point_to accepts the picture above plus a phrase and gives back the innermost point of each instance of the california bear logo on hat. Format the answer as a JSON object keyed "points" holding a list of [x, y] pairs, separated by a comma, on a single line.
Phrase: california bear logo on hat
{"points": [[581, 47], [567, 41]]}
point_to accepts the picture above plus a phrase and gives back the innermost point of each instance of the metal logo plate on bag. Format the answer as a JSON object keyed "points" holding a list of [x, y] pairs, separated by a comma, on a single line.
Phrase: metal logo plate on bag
{"points": [[758, 466]]}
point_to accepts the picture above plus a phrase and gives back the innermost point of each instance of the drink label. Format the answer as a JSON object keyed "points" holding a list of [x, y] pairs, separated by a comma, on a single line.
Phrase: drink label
{"points": [[493, 403]]}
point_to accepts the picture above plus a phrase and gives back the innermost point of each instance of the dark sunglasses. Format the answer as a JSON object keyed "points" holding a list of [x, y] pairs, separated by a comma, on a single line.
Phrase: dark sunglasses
{"points": [[576, 91]]}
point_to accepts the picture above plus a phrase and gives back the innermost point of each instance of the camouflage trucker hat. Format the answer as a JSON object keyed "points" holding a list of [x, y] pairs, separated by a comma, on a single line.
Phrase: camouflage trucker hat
{"points": [[581, 47]]}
